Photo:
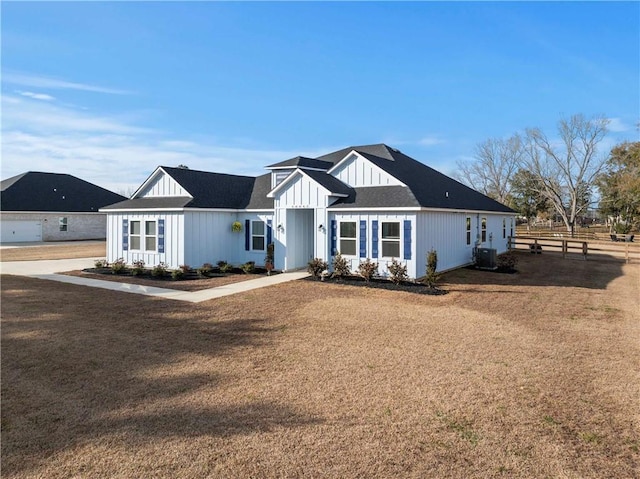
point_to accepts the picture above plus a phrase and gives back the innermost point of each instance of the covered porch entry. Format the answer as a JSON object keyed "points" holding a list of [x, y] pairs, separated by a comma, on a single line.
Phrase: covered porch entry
{"points": [[300, 238]]}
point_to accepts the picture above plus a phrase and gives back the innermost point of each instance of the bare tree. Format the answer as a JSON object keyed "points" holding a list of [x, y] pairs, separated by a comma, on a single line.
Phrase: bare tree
{"points": [[566, 168], [493, 167]]}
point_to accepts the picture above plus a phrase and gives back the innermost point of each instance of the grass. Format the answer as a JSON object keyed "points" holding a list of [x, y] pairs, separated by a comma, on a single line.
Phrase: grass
{"points": [[309, 380], [80, 249]]}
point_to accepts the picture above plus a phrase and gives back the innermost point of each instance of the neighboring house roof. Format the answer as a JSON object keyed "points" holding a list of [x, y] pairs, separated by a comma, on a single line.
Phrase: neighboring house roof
{"points": [[56, 192], [302, 162]]}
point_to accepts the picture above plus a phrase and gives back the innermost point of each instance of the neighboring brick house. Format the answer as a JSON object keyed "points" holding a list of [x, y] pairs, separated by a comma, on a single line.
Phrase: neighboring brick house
{"points": [[36, 206]]}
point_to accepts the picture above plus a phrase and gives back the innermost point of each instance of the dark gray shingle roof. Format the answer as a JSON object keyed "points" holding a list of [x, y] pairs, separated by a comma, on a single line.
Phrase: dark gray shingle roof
{"points": [[331, 183], [303, 162], [38, 191], [209, 190], [430, 188], [378, 197]]}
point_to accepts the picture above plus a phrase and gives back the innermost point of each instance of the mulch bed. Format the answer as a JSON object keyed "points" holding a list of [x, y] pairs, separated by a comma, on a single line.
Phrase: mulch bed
{"points": [[381, 283], [191, 281]]}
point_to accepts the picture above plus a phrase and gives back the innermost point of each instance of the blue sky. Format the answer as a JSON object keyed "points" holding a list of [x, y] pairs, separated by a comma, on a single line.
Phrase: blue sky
{"points": [[107, 91]]}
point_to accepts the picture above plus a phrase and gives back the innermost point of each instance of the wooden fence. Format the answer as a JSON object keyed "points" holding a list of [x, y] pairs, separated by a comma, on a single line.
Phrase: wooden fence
{"points": [[575, 247]]}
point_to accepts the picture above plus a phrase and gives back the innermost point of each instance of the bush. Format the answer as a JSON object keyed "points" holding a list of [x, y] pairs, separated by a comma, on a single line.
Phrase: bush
{"points": [[397, 271], [100, 263], [249, 267], [224, 267], [270, 253], [177, 274], [185, 268], [367, 269], [118, 266], [340, 266], [431, 278], [507, 261], [268, 260], [622, 228], [138, 268], [205, 270], [316, 266], [160, 270]]}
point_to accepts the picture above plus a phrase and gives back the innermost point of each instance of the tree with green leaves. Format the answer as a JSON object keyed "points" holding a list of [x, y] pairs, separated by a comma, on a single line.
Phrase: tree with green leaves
{"points": [[619, 184], [526, 197]]}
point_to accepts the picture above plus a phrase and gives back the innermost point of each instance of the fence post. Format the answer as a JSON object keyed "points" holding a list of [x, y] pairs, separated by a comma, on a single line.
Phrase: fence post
{"points": [[564, 248], [584, 249], [626, 252]]}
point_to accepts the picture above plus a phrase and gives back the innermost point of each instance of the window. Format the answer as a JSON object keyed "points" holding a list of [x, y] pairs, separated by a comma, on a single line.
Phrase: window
{"points": [[347, 238], [504, 228], [468, 230], [484, 230], [62, 222], [137, 239], [150, 235], [257, 235], [391, 240], [511, 223], [134, 235]]}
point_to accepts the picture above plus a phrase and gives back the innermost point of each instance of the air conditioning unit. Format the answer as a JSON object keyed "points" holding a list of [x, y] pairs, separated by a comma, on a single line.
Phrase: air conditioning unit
{"points": [[486, 258]]}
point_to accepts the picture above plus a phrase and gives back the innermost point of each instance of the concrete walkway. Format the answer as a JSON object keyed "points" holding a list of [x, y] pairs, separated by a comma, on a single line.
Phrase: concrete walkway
{"points": [[47, 269]]}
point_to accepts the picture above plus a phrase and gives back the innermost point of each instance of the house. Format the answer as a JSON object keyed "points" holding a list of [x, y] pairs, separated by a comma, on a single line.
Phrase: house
{"points": [[368, 201], [36, 206]]}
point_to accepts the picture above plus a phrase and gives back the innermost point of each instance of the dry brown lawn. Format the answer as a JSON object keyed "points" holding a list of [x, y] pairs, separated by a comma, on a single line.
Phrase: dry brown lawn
{"points": [[526, 375], [81, 249]]}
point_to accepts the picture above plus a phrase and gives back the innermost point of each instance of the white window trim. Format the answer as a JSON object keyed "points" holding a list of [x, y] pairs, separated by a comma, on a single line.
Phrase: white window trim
{"points": [[143, 236], [483, 230], [468, 228], [263, 235], [355, 238], [399, 240]]}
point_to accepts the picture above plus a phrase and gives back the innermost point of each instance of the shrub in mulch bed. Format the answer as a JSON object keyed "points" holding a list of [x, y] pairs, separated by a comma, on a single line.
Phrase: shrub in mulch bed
{"points": [[380, 283], [168, 275]]}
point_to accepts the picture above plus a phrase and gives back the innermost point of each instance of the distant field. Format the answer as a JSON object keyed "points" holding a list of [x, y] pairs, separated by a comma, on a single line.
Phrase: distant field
{"points": [[80, 249], [530, 375]]}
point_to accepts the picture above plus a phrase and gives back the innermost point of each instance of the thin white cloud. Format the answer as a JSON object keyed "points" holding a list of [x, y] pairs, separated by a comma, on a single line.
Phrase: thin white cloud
{"points": [[36, 96], [430, 141], [112, 151], [37, 81], [616, 125], [18, 113]]}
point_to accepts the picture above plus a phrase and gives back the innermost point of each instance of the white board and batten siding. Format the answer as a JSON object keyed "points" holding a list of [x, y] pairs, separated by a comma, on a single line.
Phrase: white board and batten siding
{"points": [[372, 234], [161, 185], [291, 230], [446, 233], [358, 172], [174, 246]]}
